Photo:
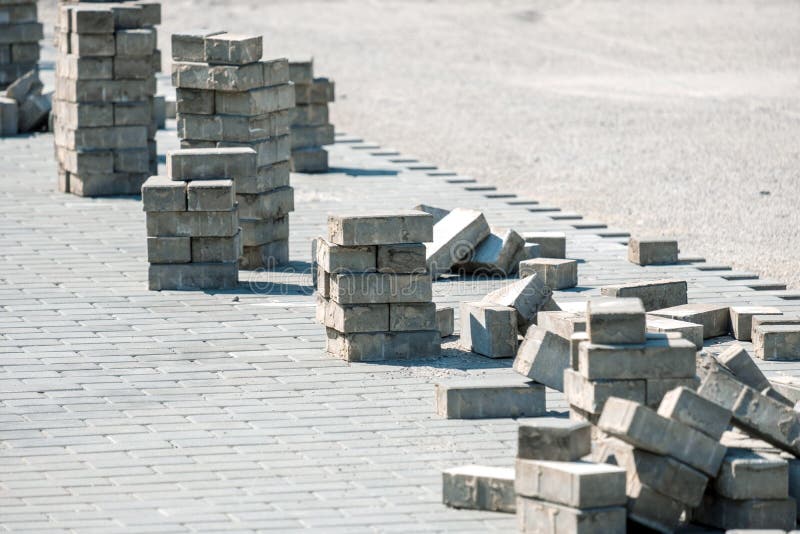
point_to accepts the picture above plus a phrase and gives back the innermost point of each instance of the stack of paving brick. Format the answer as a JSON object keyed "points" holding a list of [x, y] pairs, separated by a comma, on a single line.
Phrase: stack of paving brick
{"points": [[228, 97], [620, 359], [103, 107], [669, 455], [193, 234], [374, 290], [556, 491], [20, 33], [311, 129]]}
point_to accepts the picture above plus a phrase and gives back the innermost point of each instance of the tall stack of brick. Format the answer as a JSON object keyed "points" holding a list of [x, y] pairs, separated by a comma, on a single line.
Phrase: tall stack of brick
{"points": [[20, 33], [104, 118], [620, 359], [311, 129], [374, 290], [193, 234], [228, 97]]}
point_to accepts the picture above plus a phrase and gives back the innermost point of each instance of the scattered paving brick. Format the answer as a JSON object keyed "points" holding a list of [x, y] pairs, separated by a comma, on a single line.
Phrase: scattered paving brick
{"points": [[652, 251], [489, 398]]}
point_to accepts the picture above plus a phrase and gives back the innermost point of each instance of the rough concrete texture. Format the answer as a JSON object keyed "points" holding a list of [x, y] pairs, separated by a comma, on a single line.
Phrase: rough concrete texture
{"points": [[647, 115]]}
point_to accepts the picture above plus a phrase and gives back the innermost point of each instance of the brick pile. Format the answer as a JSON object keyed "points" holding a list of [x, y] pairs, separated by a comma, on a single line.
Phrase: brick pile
{"points": [[24, 108], [20, 33], [193, 234], [311, 128], [104, 119], [374, 290], [228, 97]]}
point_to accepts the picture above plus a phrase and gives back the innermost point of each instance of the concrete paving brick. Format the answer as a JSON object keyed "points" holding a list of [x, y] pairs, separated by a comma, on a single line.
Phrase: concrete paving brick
{"points": [[377, 288], [615, 321], [210, 195], [662, 325], [736, 359], [380, 229], [746, 474], [455, 237], [684, 405], [715, 319], [658, 387], [538, 517], [339, 259], [485, 399], [556, 273], [651, 251], [660, 357], [543, 356], [528, 296], [479, 488], [591, 395], [562, 323], [488, 330], [494, 255], [555, 439], [232, 49], [159, 193], [575, 484], [654, 294], [445, 321], [777, 341], [551, 244], [211, 164], [401, 258], [653, 510]]}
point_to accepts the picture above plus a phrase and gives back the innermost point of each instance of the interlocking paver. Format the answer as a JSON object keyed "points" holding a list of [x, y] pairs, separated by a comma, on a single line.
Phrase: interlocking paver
{"points": [[128, 410]]}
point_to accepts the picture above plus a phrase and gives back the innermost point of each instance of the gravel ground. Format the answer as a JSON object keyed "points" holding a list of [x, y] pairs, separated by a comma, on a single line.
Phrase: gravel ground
{"points": [[676, 118]]}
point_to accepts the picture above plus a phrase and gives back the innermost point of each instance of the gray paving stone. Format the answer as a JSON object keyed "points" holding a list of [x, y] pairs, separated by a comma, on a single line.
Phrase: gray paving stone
{"points": [[536, 516], [654, 294], [489, 330], [480, 488], [555, 439], [484, 399], [715, 319]]}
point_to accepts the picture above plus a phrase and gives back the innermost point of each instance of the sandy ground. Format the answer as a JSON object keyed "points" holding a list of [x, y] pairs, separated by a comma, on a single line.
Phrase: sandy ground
{"points": [[677, 118]]}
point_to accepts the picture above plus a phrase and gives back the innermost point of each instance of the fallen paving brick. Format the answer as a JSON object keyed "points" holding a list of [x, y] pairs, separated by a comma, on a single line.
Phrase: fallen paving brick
{"points": [[557, 273], [445, 319], [527, 296], [556, 439], [714, 318], [642, 427], [686, 406], [551, 244], [691, 331], [543, 356], [777, 341], [562, 323], [380, 229], [756, 414], [739, 362], [794, 478], [478, 487], [651, 251], [746, 474], [742, 319], [662, 474], [494, 255], [575, 484], [616, 321], [659, 357], [720, 512], [654, 294], [455, 238], [483, 398], [538, 517], [488, 330], [591, 395]]}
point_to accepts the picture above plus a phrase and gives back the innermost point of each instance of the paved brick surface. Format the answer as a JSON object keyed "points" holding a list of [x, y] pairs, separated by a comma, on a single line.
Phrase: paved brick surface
{"points": [[125, 410]]}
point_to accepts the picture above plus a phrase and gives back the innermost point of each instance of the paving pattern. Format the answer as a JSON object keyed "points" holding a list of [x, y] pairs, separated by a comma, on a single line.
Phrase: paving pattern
{"points": [[125, 410]]}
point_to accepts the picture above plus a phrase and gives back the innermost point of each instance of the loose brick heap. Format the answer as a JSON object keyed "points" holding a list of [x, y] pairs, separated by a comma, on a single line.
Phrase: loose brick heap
{"points": [[228, 97], [104, 120], [311, 129], [374, 290], [24, 108], [193, 234], [20, 33], [621, 359]]}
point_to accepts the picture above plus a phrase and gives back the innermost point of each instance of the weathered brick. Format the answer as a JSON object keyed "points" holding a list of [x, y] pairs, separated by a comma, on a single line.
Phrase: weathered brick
{"points": [[190, 45], [159, 193], [777, 341], [375, 288], [528, 296], [210, 195], [381, 346], [615, 321], [551, 244], [401, 258], [663, 325], [654, 294], [535, 517], [487, 398], [686, 406], [720, 512], [232, 49], [380, 229], [543, 356], [340, 259], [169, 250], [715, 318], [494, 255], [652, 251], [660, 357], [210, 164], [193, 276], [355, 318], [556, 439], [575, 484], [478, 487], [455, 238], [739, 362], [747, 474], [591, 395], [489, 330], [742, 319]]}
